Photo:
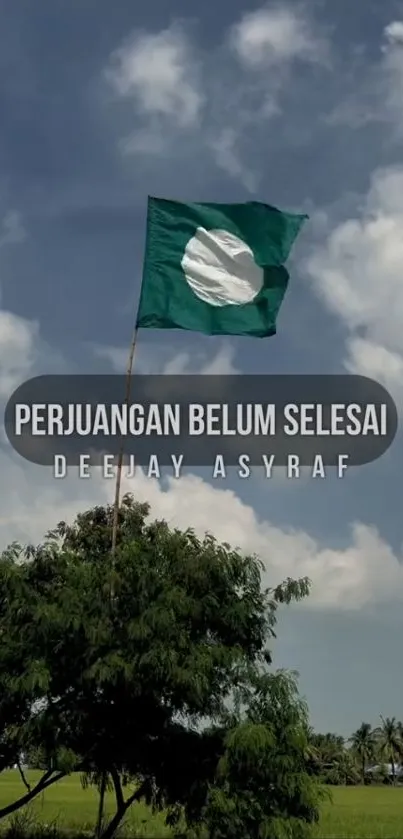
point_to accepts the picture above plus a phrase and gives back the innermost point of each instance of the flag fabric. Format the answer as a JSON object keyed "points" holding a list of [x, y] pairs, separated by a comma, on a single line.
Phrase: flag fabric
{"points": [[215, 268]]}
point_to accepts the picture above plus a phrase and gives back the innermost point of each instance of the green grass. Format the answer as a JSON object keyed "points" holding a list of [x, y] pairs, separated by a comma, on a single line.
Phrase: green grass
{"points": [[353, 813], [72, 808], [363, 813]]}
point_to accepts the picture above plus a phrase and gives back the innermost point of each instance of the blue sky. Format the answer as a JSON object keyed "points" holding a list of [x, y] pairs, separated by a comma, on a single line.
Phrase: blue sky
{"points": [[295, 104]]}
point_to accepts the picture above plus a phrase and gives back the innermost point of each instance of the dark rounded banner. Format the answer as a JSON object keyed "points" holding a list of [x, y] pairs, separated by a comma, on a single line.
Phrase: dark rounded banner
{"points": [[200, 417]]}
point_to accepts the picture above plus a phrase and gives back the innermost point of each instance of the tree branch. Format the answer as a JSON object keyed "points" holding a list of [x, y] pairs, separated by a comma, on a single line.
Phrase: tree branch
{"points": [[113, 825], [45, 782], [23, 778]]}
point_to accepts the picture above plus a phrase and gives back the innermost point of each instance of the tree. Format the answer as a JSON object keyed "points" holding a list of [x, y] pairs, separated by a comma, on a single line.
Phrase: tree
{"points": [[21, 683], [346, 772], [325, 751], [262, 787], [128, 681], [389, 742], [363, 745]]}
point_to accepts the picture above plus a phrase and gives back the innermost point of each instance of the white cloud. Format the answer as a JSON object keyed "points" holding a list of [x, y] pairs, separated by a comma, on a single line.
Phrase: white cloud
{"points": [[12, 229], [116, 357], [373, 360], [158, 72], [17, 350], [173, 86], [365, 573], [375, 90], [223, 363], [148, 141], [275, 35], [358, 275], [394, 32], [19, 337], [162, 360], [391, 78], [352, 113], [224, 148]]}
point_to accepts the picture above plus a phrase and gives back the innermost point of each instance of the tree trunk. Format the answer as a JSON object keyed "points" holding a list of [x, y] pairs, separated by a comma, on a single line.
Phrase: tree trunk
{"points": [[101, 805], [113, 825], [363, 770], [121, 811], [393, 772]]}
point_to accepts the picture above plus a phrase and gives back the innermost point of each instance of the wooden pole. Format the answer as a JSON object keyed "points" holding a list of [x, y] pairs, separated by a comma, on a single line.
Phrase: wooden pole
{"points": [[115, 521], [121, 452]]}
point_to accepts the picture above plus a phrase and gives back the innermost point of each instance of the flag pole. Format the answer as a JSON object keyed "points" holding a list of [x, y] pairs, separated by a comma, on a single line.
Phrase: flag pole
{"points": [[129, 372], [115, 521]]}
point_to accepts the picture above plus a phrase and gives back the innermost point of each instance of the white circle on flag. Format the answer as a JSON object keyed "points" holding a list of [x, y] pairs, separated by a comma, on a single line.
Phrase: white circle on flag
{"points": [[220, 268]]}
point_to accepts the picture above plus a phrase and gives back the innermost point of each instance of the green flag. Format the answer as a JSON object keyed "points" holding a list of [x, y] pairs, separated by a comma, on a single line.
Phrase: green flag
{"points": [[215, 268]]}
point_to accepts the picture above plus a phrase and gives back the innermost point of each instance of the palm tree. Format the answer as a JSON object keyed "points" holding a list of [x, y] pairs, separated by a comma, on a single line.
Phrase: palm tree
{"points": [[362, 742], [311, 752], [323, 751], [346, 767], [389, 740]]}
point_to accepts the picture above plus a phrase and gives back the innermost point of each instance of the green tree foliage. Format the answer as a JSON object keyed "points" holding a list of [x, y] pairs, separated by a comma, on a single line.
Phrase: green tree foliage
{"points": [[389, 743], [22, 682], [363, 744], [326, 753], [157, 686], [262, 788]]}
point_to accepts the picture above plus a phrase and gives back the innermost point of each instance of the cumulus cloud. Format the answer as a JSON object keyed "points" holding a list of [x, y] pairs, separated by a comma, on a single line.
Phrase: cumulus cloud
{"points": [[20, 343], [375, 361], [366, 572], [158, 72], [173, 87], [161, 359], [149, 140], [12, 230], [394, 32], [358, 274], [391, 74], [375, 89], [275, 35], [17, 350], [224, 148]]}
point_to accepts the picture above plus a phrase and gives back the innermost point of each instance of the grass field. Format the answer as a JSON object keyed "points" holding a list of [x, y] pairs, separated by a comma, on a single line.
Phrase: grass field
{"points": [[355, 812], [367, 812], [72, 808]]}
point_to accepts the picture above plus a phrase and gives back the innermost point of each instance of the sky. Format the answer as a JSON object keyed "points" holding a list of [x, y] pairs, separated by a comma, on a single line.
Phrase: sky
{"points": [[297, 105]]}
